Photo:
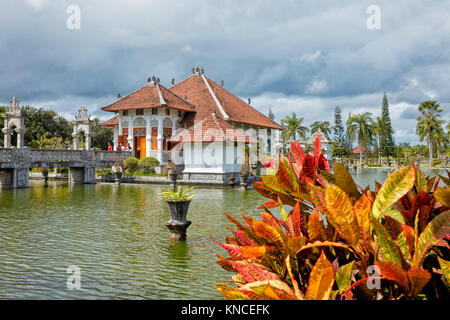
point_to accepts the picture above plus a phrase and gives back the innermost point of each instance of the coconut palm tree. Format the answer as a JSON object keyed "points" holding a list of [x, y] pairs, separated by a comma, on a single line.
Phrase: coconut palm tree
{"points": [[324, 126], [429, 124], [293, 126], [360, 127]]}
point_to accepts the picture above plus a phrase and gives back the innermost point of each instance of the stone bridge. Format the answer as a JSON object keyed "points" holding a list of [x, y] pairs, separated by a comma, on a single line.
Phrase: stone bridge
{"points": [[15, 163]]}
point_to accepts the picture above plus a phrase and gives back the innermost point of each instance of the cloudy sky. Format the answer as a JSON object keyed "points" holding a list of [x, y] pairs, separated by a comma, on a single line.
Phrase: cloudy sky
{"points": [[293, 56]]}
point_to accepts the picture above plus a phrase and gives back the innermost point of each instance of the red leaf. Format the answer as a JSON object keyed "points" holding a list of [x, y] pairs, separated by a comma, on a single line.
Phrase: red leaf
{"points": [[308, 166], [284, 178], [269, 204], [323, 163], [393, 272], [317, 151], [251, 273], [297, 152]]}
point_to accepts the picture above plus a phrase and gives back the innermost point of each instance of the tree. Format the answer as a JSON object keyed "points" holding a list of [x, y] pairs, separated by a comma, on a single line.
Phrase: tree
{"points": [[39, 121], [378, 131], [386, 139], [101, 135], [271, 115], [341, 144], [324, 126], [293, 126], [360, 127], [429, 124], [54, 143]]}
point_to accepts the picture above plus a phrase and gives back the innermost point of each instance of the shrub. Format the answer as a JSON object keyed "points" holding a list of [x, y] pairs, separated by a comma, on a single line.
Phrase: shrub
{"points": [[336, 235], [148, 163], [436, 162], [131, 163]]}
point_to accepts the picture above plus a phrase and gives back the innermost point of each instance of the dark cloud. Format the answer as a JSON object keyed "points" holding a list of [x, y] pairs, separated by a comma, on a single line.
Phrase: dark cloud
{"points": [[409, 113], [277, 52]]}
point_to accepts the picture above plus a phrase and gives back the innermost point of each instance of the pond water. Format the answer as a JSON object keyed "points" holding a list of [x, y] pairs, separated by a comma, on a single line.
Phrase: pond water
{"points": [[117, 237]]}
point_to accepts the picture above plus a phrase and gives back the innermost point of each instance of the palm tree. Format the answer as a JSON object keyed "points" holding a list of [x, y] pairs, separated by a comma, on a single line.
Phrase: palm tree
{"points": [[428, 124], [324, 126], [441, 139], [293, 126], [378, 130], [405, 146], [359, 126]]}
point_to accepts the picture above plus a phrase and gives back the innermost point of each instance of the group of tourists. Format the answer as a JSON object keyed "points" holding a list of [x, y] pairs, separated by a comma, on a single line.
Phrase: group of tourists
{"points": [[120, 147]]}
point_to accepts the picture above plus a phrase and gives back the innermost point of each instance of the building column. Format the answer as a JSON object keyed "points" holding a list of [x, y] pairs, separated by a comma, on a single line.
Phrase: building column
{"points": [[75, 141], [160, 140], [148, 138], [88, 141], [130, 132], [116, 137], [20, 137], [6, 138]]}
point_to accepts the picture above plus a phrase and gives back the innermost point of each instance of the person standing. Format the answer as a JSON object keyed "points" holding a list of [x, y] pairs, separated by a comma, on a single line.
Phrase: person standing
{"points": [[110, 147]]}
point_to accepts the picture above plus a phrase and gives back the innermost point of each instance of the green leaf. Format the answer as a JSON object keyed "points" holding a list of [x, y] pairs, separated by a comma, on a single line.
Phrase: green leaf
{"points": [[445, 267], [397, 215], [344, 276], [438, 228], [443, 196], [388, 247], [345, 181], [395, 187]]}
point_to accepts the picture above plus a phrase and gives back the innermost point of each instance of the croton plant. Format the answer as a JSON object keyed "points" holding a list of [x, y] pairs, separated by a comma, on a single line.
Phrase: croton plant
{"points": [[339, 241]]}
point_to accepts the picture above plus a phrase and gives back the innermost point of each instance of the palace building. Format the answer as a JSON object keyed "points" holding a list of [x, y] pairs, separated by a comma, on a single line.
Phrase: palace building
{"points": [[195, 123]]}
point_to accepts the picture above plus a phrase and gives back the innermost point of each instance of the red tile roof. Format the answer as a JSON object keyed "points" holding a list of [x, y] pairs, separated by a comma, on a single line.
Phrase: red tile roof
{"points": [[149, 97], [212, 128], [111, 122], [356, 150], [198, 93]]}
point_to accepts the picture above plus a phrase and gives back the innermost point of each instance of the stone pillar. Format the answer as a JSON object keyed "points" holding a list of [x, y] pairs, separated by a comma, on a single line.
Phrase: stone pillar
{"points": [[14, 178], [88, 141], [89, 175], [6, 138], [20, 137], [81, 175], [75, 141]]}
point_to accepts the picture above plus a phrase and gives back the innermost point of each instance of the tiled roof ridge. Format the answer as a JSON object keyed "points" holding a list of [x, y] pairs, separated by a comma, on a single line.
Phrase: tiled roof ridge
{"points": [[170, 91], [161, 97], [222, 110]]}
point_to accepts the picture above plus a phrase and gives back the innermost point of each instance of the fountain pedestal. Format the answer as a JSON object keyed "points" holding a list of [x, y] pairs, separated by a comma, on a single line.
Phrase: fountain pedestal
{"points": [[177, 229]]}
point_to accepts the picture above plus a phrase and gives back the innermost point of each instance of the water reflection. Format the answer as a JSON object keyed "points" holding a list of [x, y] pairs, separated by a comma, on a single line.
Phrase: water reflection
{"points": [[117, 236]]}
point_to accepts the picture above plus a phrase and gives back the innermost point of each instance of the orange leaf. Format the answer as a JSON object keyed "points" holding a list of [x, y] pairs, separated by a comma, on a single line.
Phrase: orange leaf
{"points": [[321, 280], [324, 244], [342, 213], [419, 278], [270, 234], [253, 252], [298, 221], [316, 229], [362, 209]]}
